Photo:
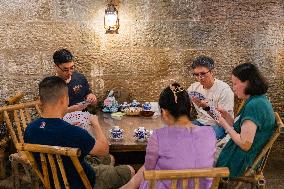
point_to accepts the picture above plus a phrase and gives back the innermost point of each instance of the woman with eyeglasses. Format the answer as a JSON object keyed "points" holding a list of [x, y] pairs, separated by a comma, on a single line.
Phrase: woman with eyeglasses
{"points": [[178, 145], [254, 124]]}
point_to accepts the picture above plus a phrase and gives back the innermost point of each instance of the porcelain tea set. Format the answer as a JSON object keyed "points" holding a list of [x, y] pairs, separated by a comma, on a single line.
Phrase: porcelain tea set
{"points": [[140, 134]]}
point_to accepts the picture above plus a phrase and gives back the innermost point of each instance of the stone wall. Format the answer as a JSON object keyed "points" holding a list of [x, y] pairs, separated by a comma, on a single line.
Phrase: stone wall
{"points": [[156, 38]]}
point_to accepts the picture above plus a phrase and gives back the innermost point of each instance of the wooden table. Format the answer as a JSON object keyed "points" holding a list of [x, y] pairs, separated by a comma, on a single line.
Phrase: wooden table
{"points": [[128, 124]]}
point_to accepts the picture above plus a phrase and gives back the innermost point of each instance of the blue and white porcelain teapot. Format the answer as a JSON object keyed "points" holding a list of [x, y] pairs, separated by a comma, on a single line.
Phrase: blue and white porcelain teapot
{"points": [[116, 133], [141, 134]]}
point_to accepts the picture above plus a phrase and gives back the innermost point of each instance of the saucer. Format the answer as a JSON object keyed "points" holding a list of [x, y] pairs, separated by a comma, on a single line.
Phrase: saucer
{"points": [[116, 139]]}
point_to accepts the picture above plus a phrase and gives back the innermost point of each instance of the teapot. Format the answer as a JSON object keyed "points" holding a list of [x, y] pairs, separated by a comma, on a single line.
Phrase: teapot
{"points": [[116, 133], [141, 134]]}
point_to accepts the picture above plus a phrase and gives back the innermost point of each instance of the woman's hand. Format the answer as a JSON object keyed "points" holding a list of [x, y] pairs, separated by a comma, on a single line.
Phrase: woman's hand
{"points": [[222, 121], [226, 115]]}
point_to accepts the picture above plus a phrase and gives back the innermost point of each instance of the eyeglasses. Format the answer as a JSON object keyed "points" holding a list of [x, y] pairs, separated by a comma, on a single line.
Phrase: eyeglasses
{"points": [[65, 70], [201, 74]]}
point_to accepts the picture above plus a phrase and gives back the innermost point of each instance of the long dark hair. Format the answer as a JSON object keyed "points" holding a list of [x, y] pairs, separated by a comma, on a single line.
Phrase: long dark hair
{"points": [[176, 100], [257, 83]]}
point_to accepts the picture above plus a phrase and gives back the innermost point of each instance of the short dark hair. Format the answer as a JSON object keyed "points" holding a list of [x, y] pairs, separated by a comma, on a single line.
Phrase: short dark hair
{"points": [[178, 106], [257, 83], [203, 61], [51, 89], [62, 56]]}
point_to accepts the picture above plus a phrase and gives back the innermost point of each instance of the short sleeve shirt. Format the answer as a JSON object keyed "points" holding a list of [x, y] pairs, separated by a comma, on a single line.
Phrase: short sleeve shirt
{"points": [[219, 95], [56, 132], [259, 110], [78, 88]]}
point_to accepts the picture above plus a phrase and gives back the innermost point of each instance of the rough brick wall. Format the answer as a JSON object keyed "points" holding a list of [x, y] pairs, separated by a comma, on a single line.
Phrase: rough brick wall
{"points": [[155, 39]]}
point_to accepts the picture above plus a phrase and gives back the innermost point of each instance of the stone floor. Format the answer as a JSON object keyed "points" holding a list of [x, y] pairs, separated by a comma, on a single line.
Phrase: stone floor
{"points": [[274, 172]]}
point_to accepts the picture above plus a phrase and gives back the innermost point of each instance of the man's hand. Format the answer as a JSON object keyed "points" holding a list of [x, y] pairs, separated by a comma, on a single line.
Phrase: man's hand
{"points": [[199, 103], [94, 120], [77, 107], [91, 98]]}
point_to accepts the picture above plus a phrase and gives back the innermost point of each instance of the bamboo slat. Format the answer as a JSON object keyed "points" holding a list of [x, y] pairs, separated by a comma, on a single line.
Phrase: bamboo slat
{"points": [[19, 128], [38, 109], [34, 166], [66, 151], [152, 184], [19, 106], [215, 183], [196, 183], [184, 183], [28, 115], [174, 184], [45, 171], [23, 119], [10, 127], [184, 175], [53, 171], [81, 172], [15, 98], [62, 171]]}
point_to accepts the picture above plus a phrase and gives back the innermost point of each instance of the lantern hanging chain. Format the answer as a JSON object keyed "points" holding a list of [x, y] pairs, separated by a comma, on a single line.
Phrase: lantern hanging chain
{"points": [[113, 2]]}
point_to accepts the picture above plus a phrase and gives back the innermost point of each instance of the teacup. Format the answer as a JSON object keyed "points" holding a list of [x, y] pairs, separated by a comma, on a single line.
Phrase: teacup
{"points": [[146, 106], [134, 103], [141, 134], [116, 133]]}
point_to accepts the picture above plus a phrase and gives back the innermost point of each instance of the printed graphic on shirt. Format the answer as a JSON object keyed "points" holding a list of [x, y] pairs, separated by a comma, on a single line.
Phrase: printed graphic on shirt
{"points": [[77, 88], [42, 125]]}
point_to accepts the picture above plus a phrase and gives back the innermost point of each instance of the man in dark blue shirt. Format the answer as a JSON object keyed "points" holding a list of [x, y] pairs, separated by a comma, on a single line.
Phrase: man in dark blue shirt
{"points": [[78, 86], [50, 129]]}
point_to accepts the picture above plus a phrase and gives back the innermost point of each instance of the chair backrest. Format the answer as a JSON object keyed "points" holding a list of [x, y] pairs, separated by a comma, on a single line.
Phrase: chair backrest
{"points": [[238, 104], [17, 117], [52, 156], [174, 175], [261, 159]]}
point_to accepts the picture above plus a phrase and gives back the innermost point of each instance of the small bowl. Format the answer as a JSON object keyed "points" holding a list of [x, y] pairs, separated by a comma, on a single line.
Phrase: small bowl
{"points": [[146, 113], [132, 111]]}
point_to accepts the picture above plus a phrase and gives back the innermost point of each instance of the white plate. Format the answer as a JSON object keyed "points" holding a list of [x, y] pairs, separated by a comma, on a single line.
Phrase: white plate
{"points": [[115, 138]]}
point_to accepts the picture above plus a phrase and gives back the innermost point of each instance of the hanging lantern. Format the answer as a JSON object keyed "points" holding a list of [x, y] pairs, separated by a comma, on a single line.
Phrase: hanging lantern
{"points": [[111, 20]]}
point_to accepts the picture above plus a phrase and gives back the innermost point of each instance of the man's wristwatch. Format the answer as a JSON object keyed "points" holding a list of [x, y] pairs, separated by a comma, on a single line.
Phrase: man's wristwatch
{"points": [[207, 108]]}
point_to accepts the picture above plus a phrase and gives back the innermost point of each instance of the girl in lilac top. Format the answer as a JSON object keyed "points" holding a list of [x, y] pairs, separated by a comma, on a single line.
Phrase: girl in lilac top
{"points": [[179, 145]]}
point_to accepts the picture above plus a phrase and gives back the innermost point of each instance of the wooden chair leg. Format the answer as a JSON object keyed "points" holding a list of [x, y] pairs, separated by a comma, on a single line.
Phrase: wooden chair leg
{"points": [[2, 164], [238, 185], [32, 176], [15, 174]]}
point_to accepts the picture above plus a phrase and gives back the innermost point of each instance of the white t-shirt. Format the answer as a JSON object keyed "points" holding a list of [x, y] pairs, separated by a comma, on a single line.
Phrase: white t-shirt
{"points": [[219, 95]]}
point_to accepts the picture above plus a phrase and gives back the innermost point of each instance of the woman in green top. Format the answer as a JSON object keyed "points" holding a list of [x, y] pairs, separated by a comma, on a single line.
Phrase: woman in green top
{"points": [[254, 124]]}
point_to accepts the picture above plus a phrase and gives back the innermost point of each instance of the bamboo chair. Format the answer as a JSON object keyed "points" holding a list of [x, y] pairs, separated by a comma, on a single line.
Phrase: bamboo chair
{"points": [[174, 175], [254, 174], [52, 156], [4, 141], [17, 118]]}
